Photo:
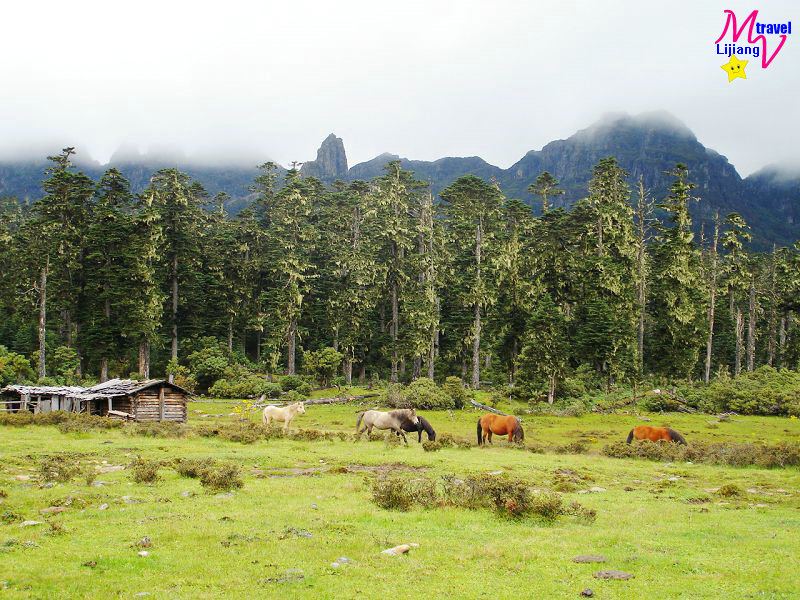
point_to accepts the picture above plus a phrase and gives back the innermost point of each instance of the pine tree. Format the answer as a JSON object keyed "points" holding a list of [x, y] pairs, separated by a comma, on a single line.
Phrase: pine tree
{"points": [[473, 209], [546, 186], [737, 278], [111, 241], [678, 290], [290, 243]]}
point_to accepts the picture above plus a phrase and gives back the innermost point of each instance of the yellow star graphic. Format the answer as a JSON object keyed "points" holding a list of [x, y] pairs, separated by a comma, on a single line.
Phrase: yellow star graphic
{"points": [[735, 68]]}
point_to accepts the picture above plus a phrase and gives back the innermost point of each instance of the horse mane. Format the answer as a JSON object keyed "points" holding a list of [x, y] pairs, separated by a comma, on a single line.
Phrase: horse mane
{"points": [[676, 437], [519, 433], [423, 422]]}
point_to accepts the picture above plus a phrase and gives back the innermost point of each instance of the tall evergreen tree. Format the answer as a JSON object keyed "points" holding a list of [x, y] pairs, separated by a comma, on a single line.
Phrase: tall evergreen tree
{"points": [[678, 297], [473, 209]]}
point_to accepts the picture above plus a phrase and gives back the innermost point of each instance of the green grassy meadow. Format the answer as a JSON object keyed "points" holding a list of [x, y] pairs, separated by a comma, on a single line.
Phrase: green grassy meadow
{"points": [[306, 504]]}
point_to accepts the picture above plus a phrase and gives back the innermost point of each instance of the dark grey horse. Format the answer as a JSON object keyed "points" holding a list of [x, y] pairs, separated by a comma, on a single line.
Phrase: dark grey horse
{"points": [[420, 426]]}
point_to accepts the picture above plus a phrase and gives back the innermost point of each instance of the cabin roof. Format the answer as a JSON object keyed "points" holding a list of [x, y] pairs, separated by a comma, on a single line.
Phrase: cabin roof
{"points": [[112, 388], [125, 387], [42, 390]]}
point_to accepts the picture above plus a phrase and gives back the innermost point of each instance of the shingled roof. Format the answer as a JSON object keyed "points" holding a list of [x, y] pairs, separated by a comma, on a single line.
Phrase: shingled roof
{"points": [[114, 388], [43, 390]]}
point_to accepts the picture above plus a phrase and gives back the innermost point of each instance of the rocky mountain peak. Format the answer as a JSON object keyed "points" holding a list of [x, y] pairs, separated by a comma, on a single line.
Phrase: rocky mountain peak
{"points": [[331, 162]]}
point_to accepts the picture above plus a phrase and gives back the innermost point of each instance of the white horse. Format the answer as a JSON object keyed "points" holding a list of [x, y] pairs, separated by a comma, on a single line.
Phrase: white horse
{"points": [[283, 413], [393, 420]]}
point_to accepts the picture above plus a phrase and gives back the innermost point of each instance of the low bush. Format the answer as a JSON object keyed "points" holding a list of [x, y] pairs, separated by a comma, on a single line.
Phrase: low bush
{"points": [[161, 429], [250, 386], [731, 454], [402, 493], [296, 383], [193, 467], [432, 446], [765, 391], [505, 496], [144, 471], [86, 423], [221, 477], [447, 440], [59, 467], [454, 388], [243, 432]]}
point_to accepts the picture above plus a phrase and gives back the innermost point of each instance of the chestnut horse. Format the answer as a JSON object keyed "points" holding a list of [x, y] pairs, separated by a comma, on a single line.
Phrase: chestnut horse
{"points": [[501, 425], [654, 434]]}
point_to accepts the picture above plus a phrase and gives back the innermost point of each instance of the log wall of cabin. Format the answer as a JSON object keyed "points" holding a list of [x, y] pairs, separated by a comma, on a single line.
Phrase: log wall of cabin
{"points": [[148, 405]]}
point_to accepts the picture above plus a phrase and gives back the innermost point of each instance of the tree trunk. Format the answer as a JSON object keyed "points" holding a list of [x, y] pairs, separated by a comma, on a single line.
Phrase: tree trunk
{"points": [[751, 328], [103, 369], [144, 359], [739, 336], [42, 371], [174, 354], [104, 358], [781, 341], [362, 373], [347, 366], [551, 389], [416, 371], [476, 332], [393, 328], [230, 333], [291, 347], [258, 346], [431, 355], [712, 302]]}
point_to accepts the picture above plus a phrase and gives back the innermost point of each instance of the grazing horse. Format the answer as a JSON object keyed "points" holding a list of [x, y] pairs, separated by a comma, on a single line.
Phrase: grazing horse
{"points": [[421, 425], [393, 420], [501, 425], [285, 413], [654, 434]]}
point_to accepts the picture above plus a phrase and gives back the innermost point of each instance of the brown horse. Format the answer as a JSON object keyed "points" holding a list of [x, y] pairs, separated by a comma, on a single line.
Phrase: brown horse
{"points": [[654, 434], [501, 425]]}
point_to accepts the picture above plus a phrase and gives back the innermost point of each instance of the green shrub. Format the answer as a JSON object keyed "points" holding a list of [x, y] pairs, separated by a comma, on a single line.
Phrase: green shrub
{"points": [[729, 490], [765, 391], [735, 455], [59, 467], [159, 429], [243, 432], [323, 364], [394, 396], [221, 477], [144, 471], [454, 388], [14, 368], [193, 467], [432, 446], [250, 386], [423, 393], [208, 362], [397, 492]]}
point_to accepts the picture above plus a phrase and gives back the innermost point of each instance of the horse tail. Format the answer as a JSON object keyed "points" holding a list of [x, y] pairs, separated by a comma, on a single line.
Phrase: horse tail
{"points": [[358, 421], [676, 437], [480, 433], [630, 437]]}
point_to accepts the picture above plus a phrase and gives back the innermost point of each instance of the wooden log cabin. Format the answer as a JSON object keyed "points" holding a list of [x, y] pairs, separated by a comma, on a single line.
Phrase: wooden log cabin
{"points": [[151, 400]]}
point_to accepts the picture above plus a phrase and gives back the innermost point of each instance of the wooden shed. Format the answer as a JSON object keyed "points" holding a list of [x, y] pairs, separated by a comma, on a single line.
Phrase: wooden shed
{"points": [[40, 398], [151, 400]]}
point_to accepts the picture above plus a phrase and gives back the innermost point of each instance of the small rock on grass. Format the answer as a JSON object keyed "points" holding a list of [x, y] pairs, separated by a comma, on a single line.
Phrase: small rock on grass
{"points": [[90, 563], [103, 506], [52, 510], [143, 553], [613, 574], [589, 558], [29, 523], [398, 550], [587, 593]]}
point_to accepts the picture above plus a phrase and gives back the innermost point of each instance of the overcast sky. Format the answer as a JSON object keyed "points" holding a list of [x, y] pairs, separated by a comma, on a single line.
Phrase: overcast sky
{"points": [[423, 79]]}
